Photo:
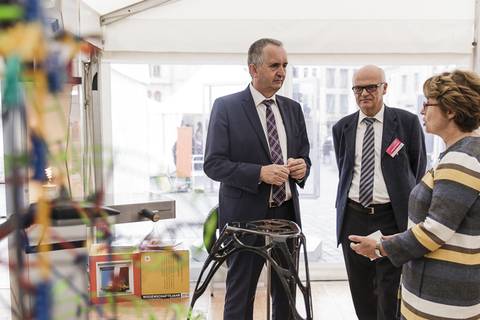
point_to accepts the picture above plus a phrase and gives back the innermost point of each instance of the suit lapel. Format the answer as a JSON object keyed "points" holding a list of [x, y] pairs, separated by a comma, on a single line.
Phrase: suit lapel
{"points": [[252, 115], [390, 125], [350, 132], [288, 129]]}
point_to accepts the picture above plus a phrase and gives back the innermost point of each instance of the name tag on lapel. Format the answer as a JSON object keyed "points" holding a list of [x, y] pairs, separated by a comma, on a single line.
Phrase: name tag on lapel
{"points": [[394, 147]]}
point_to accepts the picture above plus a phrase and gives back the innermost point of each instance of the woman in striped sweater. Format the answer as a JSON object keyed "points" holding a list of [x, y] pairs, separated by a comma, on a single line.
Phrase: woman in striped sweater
{"points": [[440, 251]]}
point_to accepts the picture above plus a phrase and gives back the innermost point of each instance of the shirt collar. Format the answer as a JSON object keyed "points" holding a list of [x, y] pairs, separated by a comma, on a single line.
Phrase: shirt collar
{"points": [[378, 117], [258, 97]]}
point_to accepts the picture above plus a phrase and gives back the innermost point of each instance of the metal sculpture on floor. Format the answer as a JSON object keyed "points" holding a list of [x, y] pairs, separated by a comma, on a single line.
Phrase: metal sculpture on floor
{"points": [[275, 234]]}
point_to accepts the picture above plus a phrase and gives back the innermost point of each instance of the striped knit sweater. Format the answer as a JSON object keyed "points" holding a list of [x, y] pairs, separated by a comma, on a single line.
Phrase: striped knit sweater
{"points": [[440, 251]]}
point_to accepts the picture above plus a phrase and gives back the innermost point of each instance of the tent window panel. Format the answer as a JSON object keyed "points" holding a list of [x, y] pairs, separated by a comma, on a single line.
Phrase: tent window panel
{"points": [[343, 78], [331, 78], [161, 150], [343, 104], [330, 104]]}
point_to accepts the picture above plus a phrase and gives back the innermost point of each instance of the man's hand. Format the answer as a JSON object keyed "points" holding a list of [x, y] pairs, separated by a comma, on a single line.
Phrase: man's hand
{"points": [[297, 168], [274, 174], [363, 246]]}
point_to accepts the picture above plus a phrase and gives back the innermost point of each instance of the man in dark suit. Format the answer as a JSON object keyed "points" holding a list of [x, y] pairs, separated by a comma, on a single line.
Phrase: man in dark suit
{"points": [[257, 147], [380, 154]]}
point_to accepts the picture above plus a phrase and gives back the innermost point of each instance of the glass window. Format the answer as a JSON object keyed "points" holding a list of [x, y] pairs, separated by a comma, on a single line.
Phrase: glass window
{"points": [[295, 72], [158, 96], [330, 78], [156, 71], [296, 94], [161, 149], [330, 103], [343, 104], [343, 78], [404, 83], [416, 82]]}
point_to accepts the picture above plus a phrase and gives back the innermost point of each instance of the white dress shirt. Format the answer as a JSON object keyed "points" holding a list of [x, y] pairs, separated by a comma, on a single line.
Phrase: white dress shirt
{"points": [[380, 192], [258, 98]]}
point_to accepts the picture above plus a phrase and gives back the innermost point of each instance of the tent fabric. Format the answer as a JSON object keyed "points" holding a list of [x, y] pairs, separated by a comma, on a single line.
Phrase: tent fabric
{"points": [[433, 29], [106, 6], [300, 36]]}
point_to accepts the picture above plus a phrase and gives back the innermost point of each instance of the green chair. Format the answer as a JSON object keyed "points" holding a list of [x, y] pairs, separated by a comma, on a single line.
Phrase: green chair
{"points": [[210, 228]]}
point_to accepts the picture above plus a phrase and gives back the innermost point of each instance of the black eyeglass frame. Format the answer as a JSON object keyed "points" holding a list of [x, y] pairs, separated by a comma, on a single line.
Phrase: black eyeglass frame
{"points": [[371, 88]]}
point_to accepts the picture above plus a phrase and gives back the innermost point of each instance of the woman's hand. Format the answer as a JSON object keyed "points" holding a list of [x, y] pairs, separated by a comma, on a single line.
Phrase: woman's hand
{"points": [[389, 237], [363, 246]]}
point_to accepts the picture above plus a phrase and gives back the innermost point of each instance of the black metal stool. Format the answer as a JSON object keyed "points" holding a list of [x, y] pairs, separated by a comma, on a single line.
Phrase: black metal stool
{"points": [[275, 232]]}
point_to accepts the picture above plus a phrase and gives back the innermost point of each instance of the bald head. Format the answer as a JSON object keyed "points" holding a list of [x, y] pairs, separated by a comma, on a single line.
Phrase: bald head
{"points": [[370, 71], [370, 87]]}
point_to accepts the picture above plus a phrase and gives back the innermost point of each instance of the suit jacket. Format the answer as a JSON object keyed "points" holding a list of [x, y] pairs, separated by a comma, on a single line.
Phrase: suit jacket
{"points": [[401, 173], [236, 149]]}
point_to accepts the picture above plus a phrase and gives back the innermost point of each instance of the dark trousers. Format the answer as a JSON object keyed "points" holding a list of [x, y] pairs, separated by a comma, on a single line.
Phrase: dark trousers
{"points": [[244, 269], [373, 284]]}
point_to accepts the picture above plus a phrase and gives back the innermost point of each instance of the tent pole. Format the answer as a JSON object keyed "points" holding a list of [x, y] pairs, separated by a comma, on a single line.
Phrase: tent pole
{"points": [[476, 30], [130, 10]]}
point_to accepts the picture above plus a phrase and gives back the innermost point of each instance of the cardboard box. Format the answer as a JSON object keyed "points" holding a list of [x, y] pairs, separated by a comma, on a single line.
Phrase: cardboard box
{"points": [[164, 274], [116, 275]]}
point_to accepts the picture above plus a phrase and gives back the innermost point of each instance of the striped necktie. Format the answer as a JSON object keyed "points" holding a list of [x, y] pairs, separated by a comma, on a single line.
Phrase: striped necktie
{"points": [[278, 192], [368, 163]]}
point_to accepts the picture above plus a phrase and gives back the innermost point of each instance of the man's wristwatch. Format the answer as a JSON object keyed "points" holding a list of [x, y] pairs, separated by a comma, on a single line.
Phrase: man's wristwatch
{"points": [[377, 248]]}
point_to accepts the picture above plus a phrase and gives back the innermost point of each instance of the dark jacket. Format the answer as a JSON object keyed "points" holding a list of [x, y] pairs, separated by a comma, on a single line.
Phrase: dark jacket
{"points": [[401, 173], [236, 149]]}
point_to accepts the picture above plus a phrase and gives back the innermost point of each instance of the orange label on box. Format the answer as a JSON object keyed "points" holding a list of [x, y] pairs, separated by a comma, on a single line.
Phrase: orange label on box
{"points": [[165, 274]]}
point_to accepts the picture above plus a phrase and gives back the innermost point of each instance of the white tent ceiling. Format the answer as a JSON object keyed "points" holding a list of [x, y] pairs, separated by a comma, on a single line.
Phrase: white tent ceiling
{"points": [[106, 6], [310, 29]]}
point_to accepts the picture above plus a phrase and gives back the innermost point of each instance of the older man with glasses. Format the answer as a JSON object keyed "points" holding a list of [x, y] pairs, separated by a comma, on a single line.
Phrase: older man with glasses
{"points": [[380, 153]]}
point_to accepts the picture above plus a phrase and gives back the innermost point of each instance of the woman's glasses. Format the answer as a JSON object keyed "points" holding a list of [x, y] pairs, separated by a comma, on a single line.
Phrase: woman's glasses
{"points": [[426, 104]]}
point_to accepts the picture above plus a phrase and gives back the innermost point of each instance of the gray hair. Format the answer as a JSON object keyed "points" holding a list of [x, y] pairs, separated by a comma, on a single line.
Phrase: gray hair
{"points": [[255, 52]]}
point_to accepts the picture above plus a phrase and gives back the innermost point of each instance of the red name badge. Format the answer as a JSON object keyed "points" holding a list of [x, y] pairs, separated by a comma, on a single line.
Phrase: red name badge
{"points": [[394, 147]]}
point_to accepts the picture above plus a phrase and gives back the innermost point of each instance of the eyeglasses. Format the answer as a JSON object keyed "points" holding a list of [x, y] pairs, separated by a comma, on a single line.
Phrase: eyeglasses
{"points": [[426, 104], [371, 88]]}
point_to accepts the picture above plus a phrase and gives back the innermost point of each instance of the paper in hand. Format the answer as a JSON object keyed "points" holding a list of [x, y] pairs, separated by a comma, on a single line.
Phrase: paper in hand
{"points": [[377, 235]]}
